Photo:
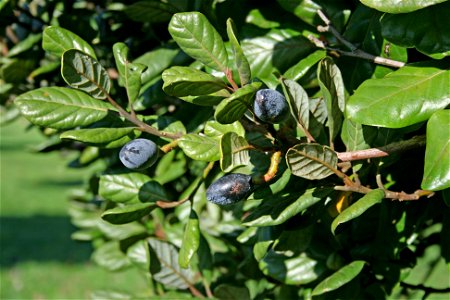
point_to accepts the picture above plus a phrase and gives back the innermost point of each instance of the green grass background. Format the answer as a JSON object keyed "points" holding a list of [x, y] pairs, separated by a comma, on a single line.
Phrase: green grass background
{"points": [[37, 257]]}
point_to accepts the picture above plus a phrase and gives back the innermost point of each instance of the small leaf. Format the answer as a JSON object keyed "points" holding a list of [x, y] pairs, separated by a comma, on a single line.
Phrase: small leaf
{"points": [[110, 256], [298, 101], [85, 73], [199, 39], [61, 108], [412, 94], [191, 240], [200, 147], [188, 81], [398, 7], [103, 137], [298, 70], [215, 129], [233, 152], [339, 278], [358, 208], [311, 161], [139, 254], [57, 40], [127, 213], [233, 108], [332, 88], [241, 61], [436, 174]]}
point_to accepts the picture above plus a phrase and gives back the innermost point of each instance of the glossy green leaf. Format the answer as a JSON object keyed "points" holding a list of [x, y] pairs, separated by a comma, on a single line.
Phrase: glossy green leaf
{"points": [[61, 108], [242, 65], [215, 129], [150, 11], [430, 37], [205, 100], [339, 278], [57, 40], [169, 272], [191, 240], [170, 166], [295, 270], [356, 136], [81, 71], [110, 256], [199, 39], [131, 187], [332, 88], [311, 161], [437, 159], [104, 137], [139, 254], [298, 70], [233, 108], [398, 7], [412, 94], [188, 81], [200, 147], [157, 60], [298, 101], [358, 208], [29, 42], [279, 208], [233, 152], [127, 213]]}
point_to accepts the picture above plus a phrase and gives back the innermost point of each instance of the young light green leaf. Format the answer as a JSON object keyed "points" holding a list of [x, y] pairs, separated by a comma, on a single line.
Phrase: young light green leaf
{"points": [[215, 129], [233, 152], [139, 254], [311, 161], [61, 108], [412, 94], [128, 213], [57, 40], [339, 278], [242, 65], [357, 137], [332, 88], [436, 175], [396, 7], [200, 147], [188, 81], [81, 71], [298, 101], [199, 39], [233, 108], [191, 240], [358, 208], [103, 137], [298, 70], [169, 272]]}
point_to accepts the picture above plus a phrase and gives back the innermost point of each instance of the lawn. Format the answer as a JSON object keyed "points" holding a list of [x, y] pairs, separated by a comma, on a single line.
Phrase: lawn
{"points": [[37, 257]]}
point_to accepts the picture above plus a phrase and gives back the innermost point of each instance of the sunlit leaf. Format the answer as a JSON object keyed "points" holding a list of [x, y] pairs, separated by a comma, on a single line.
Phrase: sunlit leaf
{"points": [[191, 240], [57, 40]]}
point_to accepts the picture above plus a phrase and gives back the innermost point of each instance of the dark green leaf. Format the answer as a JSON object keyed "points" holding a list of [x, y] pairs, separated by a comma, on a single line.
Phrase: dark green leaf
{"points": [[358, 208], [16, 70], [200, 147], [110, 257], [311, 161], [206, 100], [242, 65], [298, 70], [83, 72], [233, 152], [229, 292], [127, 213], [191, 240], [150, 11], [61, 108], [104, 137], [298, 101], [199, 39], [412, 94], [170, 167], [57, 40], [187, 81], [430, 36], [436, 175], [339, 278], [139, 254], [157, 61], [398, 7]]}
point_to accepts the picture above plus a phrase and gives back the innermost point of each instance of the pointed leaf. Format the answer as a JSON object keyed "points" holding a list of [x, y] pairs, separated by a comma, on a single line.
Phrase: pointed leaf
{"points": [[298, 101], [127, 213], [339, 278], [397, 7], [436, 175], [191, 240], [199, 39], [311, 161], [358, 208], [102, 137], [61, 108], [242, 65], [332, 88], [233, 152], [188, 81], [412, 95], [233, 108], [57, 40], [298, 70], [169, 272], [81, 71], [200, 147]]}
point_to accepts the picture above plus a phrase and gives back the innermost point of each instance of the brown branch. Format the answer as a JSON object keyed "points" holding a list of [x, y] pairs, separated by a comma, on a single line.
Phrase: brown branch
{"points": [[354, 51], [417, 141]]}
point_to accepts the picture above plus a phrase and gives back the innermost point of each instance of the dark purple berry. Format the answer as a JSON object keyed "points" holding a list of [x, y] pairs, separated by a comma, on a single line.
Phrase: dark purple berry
{"points": [[229, 189], [139, 154], [270, 106]]}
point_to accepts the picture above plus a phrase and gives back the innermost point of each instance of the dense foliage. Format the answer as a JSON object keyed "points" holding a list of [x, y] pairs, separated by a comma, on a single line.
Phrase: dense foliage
{"points": [[345, 196]]}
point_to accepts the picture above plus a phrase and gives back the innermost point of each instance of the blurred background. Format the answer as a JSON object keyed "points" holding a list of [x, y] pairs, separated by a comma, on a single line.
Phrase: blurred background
{"points": [[38, 258]]}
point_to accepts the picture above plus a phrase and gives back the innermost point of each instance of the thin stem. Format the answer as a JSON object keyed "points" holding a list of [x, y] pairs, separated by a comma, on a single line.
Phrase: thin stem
{"points": [[229, 75]]}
